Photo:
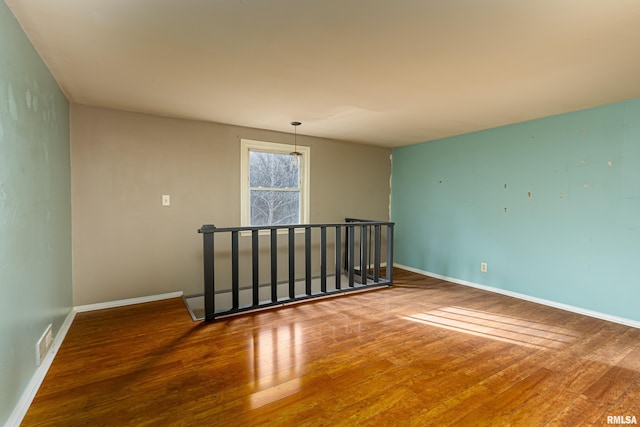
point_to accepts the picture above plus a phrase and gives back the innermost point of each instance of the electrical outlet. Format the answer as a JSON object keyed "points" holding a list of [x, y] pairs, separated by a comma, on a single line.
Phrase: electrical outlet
{"points": [[483, 267]]}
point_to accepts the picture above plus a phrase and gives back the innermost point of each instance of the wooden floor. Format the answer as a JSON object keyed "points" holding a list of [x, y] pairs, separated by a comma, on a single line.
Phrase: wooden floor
{"points": [[425, 352]]}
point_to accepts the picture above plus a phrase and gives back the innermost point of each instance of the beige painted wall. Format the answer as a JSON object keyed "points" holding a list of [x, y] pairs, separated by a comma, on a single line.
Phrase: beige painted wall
{"points": [[126, 245]]}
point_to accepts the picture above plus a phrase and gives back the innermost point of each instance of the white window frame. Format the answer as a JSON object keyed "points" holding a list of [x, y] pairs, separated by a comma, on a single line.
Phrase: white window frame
{"points": [[247, 145]]}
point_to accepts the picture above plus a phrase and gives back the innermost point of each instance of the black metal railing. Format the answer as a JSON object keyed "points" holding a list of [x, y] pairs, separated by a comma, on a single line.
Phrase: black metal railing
{"points": [[368, 245], [328, 275]]}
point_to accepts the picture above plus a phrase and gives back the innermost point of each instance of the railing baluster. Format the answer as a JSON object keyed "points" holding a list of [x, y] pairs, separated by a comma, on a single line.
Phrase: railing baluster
{"points": [[323, 259], [292, 267], [376, 251], [390, 253], [235, 278], [338, 245], [274, 265], [255, 271], [209, 276], [364, 260], [370, 249], [351, 256], [346, 249], [307, 260]]}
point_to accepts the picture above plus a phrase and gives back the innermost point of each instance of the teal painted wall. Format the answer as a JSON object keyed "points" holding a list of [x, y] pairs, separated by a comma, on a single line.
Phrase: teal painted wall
{"points": [[35, 208], [552, 205]]}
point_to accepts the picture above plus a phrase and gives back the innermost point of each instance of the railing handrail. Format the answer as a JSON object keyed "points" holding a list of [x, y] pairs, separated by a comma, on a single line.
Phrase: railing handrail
{"points": [[363, 220], [210, 228]]}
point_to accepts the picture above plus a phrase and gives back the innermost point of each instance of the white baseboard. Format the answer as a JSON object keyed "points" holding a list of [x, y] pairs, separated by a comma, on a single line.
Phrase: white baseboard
{"points": [[566, 307], [29, 393], [123, 302]]}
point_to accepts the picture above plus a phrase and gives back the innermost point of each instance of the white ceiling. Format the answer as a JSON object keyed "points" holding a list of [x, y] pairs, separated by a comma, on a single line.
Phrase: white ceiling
{"points": [[373, 71]]}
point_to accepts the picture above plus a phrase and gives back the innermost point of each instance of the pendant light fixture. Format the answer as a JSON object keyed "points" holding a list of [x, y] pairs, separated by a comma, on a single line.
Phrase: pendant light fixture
{"points": [[295, 151]]}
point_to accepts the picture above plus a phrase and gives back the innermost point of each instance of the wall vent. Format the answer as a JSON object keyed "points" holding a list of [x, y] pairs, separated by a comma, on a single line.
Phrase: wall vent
{"points": [[44, 344]]}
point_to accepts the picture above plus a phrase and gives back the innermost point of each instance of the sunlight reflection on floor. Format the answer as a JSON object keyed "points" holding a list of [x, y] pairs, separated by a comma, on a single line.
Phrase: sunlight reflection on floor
{"points": [[274, 362], [272, 394], [496, 326]]}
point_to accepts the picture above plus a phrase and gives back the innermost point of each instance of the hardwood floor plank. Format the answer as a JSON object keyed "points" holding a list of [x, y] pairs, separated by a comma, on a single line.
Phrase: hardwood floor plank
{"points": [[580, 411], [611, 386], [627, 404], [425, 352], [376, 403]]}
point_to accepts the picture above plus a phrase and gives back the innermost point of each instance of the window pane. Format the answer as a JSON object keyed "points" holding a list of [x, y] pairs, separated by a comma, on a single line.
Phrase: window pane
{"points": [[275, 207], [273, 170]]}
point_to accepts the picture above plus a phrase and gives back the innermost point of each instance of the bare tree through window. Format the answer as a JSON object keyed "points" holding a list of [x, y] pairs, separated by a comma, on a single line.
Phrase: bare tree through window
{"points": [[274, 186]]}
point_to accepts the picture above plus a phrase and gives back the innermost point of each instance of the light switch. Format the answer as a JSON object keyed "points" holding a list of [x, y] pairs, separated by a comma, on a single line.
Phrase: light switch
{"points": [[166, 200]]}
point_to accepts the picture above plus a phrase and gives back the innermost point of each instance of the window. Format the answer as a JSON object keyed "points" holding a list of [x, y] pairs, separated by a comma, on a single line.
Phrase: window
{"points": [[275, 184]]}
